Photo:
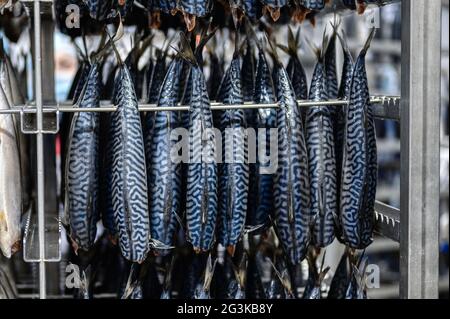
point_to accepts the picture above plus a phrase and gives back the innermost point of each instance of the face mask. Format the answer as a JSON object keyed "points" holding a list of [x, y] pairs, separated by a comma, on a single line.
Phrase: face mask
{"points": [[63, 82]]}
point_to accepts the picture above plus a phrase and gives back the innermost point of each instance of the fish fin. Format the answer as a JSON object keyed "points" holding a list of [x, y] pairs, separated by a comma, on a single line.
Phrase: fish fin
{"points": [[322, 275], [273, 50], [185, 50], [251, 229], [156, 244], [112, 40], [85, 275], [292, 42], [132, 282], [315, 49], [366, 47], [240, 271], [283, 277], [209, 272]]}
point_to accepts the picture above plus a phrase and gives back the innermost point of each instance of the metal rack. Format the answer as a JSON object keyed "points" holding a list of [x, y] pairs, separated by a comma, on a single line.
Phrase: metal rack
{"points": [[414, 225]]}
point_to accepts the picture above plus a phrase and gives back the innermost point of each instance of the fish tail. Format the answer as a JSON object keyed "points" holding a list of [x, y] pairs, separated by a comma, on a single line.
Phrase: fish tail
{"points": [[366, 47], [135, 279]]}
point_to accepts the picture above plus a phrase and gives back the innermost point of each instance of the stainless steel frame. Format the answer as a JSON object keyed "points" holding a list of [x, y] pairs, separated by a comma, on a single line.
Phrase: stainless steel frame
{"points": [[420, 142], [415, 224]]}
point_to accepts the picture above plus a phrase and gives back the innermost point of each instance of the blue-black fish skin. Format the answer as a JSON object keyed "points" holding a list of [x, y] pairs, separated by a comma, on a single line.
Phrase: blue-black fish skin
{"points": [[164, 176], [260, 204], [291, 182], [315, 5], [322, 162], [197, 8], [341, 280], [233, 177], [82, 168], [340, 120], [359, 174], [202, 173], [129, 175]]}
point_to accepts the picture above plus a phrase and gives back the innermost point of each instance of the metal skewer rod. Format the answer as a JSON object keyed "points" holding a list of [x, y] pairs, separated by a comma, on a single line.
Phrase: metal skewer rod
{"points": [[66, 107]]}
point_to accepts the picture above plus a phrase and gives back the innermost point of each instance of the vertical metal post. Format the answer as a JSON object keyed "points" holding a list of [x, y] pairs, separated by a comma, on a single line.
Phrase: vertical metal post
{"points": [[420, 109], [39, 147]]}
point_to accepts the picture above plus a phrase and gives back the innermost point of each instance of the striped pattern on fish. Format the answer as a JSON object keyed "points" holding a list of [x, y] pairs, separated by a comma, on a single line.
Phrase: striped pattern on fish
{"points": [[129, 176], [164, 176], [202, 176], [197, 8], [260, 203], [359, 174], [291, 183], [82, 168], [233, 177], [322, 162], [339, 129]]}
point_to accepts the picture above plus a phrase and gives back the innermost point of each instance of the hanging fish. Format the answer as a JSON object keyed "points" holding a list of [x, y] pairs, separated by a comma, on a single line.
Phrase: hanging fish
{"points": [[341, 279], [359, 168], [129, 175], [260, 202], [252, 8], [132, 62], [14, 95], [322, 160], [202, 291], [10, 181], [234, 170], [216, 74], [314, 287], [291, 182], [357, 288], [236, 289], [274, 7], [202, 177], [248, 73], [280, 286], [295, 68], [330, 66], [340, 119], [158, 72], [164, 175], [82, 167]]}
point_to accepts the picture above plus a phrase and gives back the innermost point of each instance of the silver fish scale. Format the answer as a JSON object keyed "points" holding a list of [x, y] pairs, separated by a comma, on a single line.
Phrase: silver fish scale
{"points": [[291, 182], [233, 177], [322, 163], [129, 177], [201, 200], [359, 164], [82, 169], [164, 177]]}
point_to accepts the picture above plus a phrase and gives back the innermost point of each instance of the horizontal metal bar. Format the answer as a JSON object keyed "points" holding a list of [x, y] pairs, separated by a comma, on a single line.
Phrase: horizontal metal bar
{"points": [[383, 107], [387, 221]]}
